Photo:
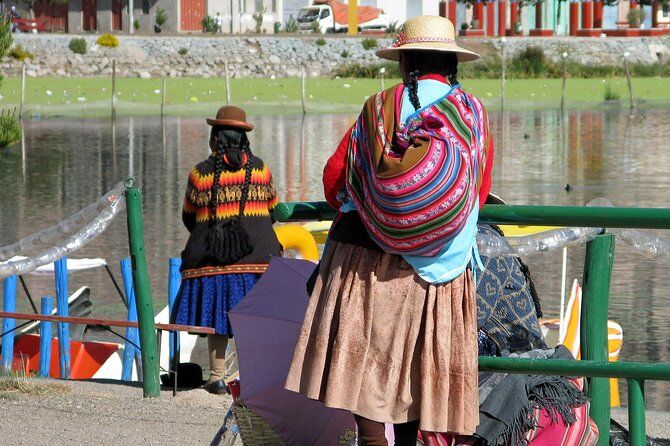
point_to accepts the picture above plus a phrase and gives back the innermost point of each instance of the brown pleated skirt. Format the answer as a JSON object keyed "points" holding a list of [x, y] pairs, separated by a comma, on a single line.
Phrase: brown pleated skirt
{"points": [[381, 342]]}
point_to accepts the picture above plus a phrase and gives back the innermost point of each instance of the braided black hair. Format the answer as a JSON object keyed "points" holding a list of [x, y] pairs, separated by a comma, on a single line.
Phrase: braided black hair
{"points": [[417, 63], [227, 241], [413, 88], [233, 144]]}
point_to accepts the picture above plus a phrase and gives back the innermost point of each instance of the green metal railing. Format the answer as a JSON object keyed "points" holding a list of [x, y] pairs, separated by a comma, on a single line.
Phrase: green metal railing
{"points": [[596, 283]]}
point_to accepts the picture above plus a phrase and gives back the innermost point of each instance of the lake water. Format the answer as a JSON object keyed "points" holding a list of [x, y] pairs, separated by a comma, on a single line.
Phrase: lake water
{"points": [[63, 165]]}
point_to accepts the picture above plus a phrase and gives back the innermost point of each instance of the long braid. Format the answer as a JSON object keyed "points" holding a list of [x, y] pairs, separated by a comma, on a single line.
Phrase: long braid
{"points": [[227, 241], [245, 146], [452, 74], [413, 88], [218, 170]]}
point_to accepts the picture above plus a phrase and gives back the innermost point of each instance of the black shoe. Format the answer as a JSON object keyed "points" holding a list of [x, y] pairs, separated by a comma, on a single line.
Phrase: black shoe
{"points": [[217, 387]]}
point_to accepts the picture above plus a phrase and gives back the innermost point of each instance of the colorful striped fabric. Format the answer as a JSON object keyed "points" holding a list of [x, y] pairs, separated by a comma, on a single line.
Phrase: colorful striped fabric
{"points": [[582, 432], [415, 184]]}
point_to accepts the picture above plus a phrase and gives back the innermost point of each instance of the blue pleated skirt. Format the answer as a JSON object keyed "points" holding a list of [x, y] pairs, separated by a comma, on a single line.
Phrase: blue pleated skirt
{"points": [[205, 301]]}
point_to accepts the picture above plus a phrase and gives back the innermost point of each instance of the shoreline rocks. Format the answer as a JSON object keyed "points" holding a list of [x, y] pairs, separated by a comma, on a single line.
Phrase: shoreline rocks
{"points": [[264, 56]]}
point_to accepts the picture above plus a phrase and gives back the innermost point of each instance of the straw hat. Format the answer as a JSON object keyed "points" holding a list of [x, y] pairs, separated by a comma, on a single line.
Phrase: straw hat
{"points": [[427, 33], [232, 117]]}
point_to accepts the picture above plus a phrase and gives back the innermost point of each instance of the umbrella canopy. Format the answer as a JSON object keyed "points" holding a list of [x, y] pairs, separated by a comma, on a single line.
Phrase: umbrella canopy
{"points": [[267, 324]]}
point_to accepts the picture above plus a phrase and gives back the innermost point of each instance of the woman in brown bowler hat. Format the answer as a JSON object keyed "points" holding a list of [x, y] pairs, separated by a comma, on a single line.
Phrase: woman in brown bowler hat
{"points": [[229, 198]]}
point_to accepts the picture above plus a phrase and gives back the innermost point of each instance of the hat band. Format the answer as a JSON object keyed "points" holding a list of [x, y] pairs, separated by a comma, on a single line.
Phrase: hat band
{"points": [[404, 41]]}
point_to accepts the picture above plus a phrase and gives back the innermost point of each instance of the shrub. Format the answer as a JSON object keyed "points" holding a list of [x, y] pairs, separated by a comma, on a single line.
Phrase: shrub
{"points": [[136, 24], [369, 43], [635, 17], [611, 95], [209, 24], [10, 129], [5, 36], [529, 63], [291, 25], [258, 19], [393, 28], [321, 41], [161, 17], [78, 45], [109, 40], [20, 53], [183, 51], [316, 27], [367, 71], [345, 54]]}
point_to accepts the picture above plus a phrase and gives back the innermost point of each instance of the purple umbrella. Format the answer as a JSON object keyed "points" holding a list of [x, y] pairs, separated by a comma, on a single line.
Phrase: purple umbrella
{"points": [[267, 324]]}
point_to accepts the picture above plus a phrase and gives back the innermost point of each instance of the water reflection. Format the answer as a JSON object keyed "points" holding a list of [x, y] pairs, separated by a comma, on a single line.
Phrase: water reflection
{"points": [[63, 165]]}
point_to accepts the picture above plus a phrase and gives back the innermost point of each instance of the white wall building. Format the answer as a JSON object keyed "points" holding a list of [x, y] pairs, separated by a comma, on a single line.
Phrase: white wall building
{"points": [[398, 10]]}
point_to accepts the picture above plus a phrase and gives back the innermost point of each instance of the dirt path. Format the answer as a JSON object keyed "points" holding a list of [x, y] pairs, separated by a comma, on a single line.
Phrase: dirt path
{"points": [[103, 414]]}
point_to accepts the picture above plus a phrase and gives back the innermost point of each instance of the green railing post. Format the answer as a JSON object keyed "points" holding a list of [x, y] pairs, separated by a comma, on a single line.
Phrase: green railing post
{"points": [[636, 418], [593, 333], [145, 309]]}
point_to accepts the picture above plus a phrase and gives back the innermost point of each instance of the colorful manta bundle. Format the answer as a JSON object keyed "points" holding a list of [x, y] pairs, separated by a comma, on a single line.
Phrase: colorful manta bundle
{"points": [[415, 185]]}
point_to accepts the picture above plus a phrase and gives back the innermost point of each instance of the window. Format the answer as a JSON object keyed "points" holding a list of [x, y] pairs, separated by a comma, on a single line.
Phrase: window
{"points": [[325, 13], [259, 5]]}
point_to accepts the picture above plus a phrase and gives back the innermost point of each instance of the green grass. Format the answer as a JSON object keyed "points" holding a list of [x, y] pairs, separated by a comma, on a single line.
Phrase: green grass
{"points": [[91, 96]]}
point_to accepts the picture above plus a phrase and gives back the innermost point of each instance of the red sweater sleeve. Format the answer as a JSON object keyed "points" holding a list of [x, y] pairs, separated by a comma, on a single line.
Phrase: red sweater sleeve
{"points": [[334, 171], [485, 186]]}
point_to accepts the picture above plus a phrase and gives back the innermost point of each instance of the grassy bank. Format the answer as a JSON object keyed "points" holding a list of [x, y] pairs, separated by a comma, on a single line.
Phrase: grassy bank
{"points": [[92, 96]]}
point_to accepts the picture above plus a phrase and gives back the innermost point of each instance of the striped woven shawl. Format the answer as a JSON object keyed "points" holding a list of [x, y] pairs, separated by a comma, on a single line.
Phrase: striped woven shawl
{"points": [[416, 184]]}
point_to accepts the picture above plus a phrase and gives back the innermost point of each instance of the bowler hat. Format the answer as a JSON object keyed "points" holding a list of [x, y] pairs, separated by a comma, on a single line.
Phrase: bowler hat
{"points": [[232, 117]]}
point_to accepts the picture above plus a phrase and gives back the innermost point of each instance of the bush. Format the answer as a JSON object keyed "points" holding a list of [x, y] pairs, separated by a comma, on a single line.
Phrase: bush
{"points": [[611, 95], [345, 54], [393, 28], [6, 39], [291, 25], [161, 17], [183, 51], [321, 41], [78, 45], [136, 24], [10, 129], [209, 24], [636, 17], [316, 27], [367, 71], [258, 18], [369, 43], [20, 53], [529, 63], [108, 40]]}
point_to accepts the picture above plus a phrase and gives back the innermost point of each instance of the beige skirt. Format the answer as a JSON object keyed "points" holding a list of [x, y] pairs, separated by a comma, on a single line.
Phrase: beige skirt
{"points": [[382, 343]]}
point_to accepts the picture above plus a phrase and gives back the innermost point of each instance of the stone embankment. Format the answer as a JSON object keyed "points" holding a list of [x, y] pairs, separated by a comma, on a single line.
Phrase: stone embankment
{"points": [[265, 56]]}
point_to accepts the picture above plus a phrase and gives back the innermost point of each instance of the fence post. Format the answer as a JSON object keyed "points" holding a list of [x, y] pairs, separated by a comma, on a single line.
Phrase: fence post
{"points": [[630, 84], [503, 61], [9, 305], [129, 350], [46, 333], [597, 274], [114, 88], [303, 92], [145, 309], [227, 77], [62, 295], [23, 90], [636, 416], [565, 78], [163, 92], [174, 282]]}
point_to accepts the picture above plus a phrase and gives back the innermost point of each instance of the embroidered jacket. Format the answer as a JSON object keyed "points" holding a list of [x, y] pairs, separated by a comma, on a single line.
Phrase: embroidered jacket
{"points": [[197, 215]]}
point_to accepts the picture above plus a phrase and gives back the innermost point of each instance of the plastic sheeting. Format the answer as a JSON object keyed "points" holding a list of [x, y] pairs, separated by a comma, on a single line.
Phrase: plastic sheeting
{"points": [[646, 244], [63, 238]]}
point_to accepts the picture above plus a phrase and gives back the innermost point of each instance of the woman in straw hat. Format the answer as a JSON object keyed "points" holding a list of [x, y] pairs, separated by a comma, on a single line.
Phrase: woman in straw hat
{"points": [[229, 197], [391, 329]]}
